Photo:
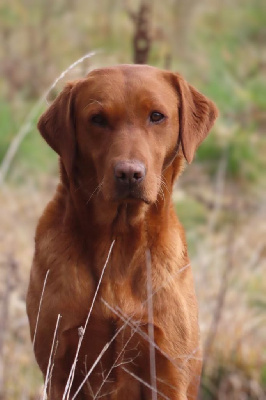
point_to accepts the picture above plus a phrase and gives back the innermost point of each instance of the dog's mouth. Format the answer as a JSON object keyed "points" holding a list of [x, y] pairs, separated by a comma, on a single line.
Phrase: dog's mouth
{"points": [[134, 194], [131, 198], [130, 194]]}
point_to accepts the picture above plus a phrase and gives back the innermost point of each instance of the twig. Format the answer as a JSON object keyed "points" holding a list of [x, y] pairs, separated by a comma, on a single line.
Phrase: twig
{"points": [[116, 360], [119, 314], [172, 277], [47, 378], [105, 348], [83, 330], [40, 304], [145, 383], [52, 368], [185, 358], [150, 325]]}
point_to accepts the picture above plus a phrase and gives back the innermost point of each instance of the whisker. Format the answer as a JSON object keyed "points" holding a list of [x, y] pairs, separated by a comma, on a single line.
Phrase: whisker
{"points": [[81, 185], [97, 189], [161, 194], [164, 184]]}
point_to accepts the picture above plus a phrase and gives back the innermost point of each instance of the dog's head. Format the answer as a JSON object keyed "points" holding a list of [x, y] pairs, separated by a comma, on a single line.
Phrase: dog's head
{"points": [[121, 127]]}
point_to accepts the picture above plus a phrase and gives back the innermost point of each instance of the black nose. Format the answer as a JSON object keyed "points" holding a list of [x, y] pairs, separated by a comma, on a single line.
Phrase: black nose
{"points": [[129, 172]]}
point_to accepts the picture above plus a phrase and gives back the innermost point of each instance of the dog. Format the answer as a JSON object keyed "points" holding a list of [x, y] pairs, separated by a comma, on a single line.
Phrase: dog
{"points": [[111, 301]]}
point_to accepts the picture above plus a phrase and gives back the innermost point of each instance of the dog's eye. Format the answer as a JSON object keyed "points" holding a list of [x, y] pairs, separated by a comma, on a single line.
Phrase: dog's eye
{"points": [[156, 117], [99, 119]]}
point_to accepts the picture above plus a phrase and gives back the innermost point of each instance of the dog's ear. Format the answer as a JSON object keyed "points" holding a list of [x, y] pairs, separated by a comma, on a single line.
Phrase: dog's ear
{"points": [[56, 126], [196, 117]]}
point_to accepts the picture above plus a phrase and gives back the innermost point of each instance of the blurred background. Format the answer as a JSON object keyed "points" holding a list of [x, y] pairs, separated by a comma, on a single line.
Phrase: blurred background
{"points": [[219, 46]]}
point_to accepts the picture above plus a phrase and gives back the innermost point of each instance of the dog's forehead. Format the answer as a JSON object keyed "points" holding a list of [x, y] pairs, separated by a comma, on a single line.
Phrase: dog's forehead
{"points": [[126, 83], [127, 73]]}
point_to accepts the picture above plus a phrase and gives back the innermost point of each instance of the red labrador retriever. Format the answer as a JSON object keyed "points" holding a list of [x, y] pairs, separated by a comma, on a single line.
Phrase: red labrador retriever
{"points": [[116, 316]]}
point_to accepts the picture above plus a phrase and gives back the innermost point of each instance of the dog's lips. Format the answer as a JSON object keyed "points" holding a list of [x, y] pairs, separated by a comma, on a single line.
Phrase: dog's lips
{"points": [[132, 198], [130, 193]]}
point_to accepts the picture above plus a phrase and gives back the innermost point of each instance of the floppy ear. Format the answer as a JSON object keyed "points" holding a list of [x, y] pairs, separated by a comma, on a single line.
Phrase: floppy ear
{"points": [[196, 117], [56, 126]]}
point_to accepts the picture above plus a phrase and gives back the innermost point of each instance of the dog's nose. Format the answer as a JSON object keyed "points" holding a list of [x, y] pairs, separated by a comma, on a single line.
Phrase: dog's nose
{"points": [[129, 172]]}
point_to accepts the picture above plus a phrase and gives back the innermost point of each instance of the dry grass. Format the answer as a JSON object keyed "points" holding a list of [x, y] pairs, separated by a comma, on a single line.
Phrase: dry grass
{"points": [[228, 266], [19, 211]]}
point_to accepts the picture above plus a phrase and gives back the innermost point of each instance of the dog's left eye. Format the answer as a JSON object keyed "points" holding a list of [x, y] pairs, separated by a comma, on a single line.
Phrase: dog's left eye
{"points": [[156, 117], [99, 119]]}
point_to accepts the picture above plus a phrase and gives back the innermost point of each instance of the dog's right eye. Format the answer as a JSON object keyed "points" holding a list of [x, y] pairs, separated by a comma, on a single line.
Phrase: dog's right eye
{"points": [[156, 117], [99, 120]]}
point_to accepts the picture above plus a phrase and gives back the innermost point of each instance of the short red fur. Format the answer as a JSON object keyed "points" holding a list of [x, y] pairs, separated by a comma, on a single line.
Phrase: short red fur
{"points": [[122, 135]]}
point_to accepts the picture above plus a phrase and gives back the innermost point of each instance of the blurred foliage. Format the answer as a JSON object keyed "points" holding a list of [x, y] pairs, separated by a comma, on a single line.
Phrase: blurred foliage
{"points": [[8, 127], [220, 49], [245, 160], [231, 381], [190, 212], [219, 46]]}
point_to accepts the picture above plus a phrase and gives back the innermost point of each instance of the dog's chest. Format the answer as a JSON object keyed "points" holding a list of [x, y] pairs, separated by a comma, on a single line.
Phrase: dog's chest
{"points": [[123, 284]]}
